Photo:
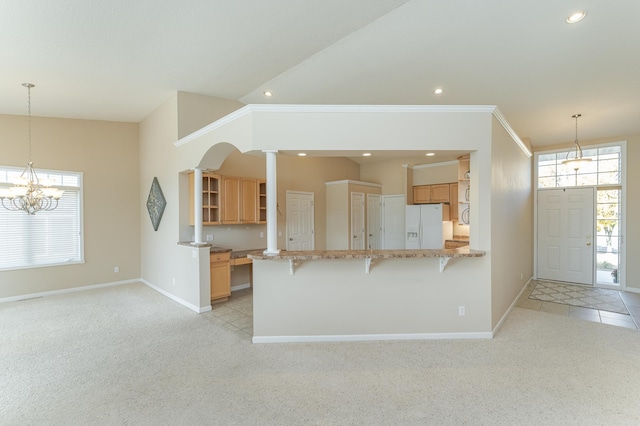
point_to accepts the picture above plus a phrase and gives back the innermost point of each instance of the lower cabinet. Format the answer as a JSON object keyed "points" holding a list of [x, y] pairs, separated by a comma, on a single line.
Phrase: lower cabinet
{"points": [[220, 275]]}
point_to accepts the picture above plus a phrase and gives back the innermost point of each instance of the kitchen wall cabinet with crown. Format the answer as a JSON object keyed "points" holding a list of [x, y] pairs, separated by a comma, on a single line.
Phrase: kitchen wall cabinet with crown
{"points": [[230, 200]]}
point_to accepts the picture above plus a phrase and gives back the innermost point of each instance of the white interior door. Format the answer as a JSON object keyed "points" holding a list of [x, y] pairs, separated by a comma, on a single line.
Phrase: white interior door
{"points": [[374, 225], [393, 207], [565, 234], [357, 221], [300, 228]]}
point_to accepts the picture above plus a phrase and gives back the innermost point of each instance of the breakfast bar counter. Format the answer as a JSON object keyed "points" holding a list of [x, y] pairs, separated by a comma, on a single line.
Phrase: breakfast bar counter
{"points": [[337, 295]]}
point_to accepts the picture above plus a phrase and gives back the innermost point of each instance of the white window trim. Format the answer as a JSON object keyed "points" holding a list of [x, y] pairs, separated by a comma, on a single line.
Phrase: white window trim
{"points": [[80, 190]]}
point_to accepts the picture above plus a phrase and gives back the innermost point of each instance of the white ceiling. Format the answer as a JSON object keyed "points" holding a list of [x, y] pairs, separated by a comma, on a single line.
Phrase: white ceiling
{"points": [[120, 59]]}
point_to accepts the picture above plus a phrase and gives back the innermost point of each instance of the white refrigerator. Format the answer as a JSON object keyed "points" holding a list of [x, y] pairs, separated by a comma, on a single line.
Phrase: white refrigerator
{"points": [[425, 228]]}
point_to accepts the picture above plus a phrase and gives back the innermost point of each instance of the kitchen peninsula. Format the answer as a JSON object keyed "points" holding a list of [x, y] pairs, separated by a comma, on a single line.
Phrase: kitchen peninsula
{"points": [[340, 295]]}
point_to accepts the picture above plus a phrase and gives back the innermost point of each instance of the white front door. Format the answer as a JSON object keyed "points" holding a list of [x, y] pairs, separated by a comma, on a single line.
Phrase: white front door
{"points": [[300, 228], [374, 226], [393, 221], [357, 221], [565, 234]]}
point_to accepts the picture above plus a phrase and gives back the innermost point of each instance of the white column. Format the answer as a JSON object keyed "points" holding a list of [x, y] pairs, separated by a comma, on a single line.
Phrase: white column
{"points": [[272, 204], [197, 205]]}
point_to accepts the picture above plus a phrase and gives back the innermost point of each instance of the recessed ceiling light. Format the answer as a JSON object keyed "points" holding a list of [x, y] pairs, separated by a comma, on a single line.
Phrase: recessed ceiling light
{"points": [[576, 17], [430, 154], [302, 154], [438, 91], [366, 154], [268, 93]]}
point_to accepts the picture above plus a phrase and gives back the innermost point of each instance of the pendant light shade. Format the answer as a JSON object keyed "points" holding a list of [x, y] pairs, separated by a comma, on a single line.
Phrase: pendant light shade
{"points": [[575, 158]]}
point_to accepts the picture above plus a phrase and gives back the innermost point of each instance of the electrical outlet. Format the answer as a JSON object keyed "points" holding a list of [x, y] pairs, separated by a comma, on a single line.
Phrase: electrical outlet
{"points": [[521, 276], [279, 233], [116, 269], [209, 237], [261, 234], [461, 311], [174, 281]]}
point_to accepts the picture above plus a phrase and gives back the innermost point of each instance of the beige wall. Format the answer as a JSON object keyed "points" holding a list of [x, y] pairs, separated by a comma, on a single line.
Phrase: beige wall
{"points": [[196, 111], [511, 222], [107, 155], [435, 173]]}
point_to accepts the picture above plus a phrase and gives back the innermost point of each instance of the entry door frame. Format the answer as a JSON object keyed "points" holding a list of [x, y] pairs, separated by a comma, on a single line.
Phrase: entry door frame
{"points": [[311, 217]]}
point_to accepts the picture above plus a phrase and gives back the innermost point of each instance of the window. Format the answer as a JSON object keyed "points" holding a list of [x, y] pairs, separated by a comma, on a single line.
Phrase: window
{"points": [[48, 237], [604, 169], [605, 173]]}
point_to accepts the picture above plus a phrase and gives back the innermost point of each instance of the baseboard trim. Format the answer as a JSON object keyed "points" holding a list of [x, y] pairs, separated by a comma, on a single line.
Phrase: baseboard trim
{"points": [[370, 337], [632, 290], [66, 290], [240, 287], [176, 298], [513, 305]]}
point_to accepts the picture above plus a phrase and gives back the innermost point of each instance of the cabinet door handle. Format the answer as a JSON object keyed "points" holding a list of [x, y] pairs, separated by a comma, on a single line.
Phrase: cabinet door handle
{"points": [[290, 239]]}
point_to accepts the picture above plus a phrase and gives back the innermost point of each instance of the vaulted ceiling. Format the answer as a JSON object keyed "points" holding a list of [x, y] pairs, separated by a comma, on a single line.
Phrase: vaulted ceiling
{"points": [[120, 59]]}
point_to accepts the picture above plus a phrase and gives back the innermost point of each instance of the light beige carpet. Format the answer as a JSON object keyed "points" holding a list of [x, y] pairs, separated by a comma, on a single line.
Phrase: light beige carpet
{"points": [[129, 356], [579, 295]]}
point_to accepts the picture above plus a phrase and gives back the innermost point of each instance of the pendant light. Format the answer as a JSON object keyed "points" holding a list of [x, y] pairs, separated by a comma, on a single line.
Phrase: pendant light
{"points": [[574, 156], [29, 194]]}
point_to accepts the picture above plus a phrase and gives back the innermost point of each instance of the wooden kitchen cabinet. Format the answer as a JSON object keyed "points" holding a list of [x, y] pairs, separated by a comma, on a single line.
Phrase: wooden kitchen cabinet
{"points": [[440, 193], [437, 193], [248, 200], [230, 200], [453, 198], [455, 244], [220, 275], [210, 199], [421, 194]]}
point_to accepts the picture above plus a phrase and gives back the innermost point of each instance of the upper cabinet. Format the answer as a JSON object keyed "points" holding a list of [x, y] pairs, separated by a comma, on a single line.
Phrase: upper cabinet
{"points": [[230, 200], [210, 199], [424, 194]]}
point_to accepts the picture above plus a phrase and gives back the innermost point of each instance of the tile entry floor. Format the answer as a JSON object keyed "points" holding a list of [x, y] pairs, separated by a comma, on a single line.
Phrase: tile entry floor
{"points": [[236, 314], [631, 301]]}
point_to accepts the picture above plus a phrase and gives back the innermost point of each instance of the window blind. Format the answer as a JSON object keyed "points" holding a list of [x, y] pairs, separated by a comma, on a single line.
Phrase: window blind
{"points": [[48, 237]]}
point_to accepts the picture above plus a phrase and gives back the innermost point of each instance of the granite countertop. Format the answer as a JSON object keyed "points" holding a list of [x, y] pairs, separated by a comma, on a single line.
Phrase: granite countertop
{"points": [[367, 254], [459, 239], [216, 249]]}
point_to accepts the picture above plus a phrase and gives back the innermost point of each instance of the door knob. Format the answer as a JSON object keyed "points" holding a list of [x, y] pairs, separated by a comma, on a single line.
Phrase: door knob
{"points": [[588, 243], [290, 239]]}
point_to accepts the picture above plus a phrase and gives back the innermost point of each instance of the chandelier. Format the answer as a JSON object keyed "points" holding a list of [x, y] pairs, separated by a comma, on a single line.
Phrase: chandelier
{"points": [[574, 155], [28, 193]]}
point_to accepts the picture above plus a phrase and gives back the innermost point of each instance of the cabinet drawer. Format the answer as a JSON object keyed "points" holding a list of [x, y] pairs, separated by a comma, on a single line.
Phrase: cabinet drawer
{"points": [[220, 257]]}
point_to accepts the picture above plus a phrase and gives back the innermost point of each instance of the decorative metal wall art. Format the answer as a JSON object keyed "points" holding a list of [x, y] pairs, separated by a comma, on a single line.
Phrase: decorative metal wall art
{"points": [[156, 203]]}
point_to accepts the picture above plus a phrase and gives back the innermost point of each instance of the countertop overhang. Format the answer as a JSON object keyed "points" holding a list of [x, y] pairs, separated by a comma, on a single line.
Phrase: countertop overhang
{"points": [[444, 255], [367, 254]]}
